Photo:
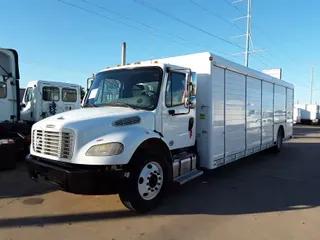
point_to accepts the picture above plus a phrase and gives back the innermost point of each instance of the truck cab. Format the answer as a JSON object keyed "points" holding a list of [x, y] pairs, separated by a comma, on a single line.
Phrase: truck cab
{"points": [[9, 85], [46, 98], [131, 112], [13, 133]]}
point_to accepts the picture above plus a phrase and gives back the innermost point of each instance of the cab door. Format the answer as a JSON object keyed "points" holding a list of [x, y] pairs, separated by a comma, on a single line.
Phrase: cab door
{"points": [[9, 73], [178, 126], [27, 110]]}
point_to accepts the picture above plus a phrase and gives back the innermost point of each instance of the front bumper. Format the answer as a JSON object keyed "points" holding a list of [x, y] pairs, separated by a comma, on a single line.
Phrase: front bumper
{"points": [[74, 178]]}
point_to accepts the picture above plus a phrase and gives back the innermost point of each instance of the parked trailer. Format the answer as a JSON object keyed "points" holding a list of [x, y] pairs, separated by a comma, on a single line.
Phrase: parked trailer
{"points": [[309, 113], [46, 98], [13, 132], [296, 115], [170, 120]]}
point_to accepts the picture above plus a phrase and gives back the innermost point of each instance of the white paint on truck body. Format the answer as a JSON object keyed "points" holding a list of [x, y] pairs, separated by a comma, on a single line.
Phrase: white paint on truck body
{"points": [[239, 112], [308, 112]]}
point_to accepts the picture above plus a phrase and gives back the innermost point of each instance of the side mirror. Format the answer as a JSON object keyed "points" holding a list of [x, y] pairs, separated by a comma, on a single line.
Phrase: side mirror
{"points": [[191, 103], [89, 83], [193, 90], [22, 105]]}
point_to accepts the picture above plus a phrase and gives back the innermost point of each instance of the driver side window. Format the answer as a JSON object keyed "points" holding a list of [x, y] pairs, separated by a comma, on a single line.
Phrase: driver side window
{"points": [[29, 94], [176, 89]]}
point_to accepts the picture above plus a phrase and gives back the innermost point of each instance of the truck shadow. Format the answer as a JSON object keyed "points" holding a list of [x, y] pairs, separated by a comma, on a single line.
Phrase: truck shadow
{"points": [[16, 183], [261, 183]]}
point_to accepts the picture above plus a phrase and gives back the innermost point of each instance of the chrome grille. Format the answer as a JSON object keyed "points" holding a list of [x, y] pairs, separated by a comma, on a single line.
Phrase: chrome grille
{"points": [[57, 144]]}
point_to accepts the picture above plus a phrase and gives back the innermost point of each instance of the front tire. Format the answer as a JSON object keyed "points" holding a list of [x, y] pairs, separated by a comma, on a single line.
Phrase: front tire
{"points": [[143, 189]]}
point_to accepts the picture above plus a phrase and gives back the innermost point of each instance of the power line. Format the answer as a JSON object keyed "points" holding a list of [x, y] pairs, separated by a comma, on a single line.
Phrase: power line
{"points": [[217, 16], [119, 22], [145, 25], [133, 27], [136, 28], [230, 4], [273, 43], [150, 6], [211, 12]]}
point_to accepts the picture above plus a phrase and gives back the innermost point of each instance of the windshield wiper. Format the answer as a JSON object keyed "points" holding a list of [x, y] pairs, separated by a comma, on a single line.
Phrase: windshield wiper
{"points": [[121, 104]]}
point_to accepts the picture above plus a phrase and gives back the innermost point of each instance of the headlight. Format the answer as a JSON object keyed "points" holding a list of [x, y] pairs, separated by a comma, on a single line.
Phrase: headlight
{"points": [[105, 149]]}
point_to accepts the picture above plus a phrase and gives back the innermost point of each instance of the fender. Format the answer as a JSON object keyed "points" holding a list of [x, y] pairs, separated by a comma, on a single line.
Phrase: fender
{"points": [[130, 137]]}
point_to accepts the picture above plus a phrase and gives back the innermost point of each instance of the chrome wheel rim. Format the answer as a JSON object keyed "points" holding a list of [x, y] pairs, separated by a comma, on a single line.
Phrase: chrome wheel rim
{"points": [[150, 180]]}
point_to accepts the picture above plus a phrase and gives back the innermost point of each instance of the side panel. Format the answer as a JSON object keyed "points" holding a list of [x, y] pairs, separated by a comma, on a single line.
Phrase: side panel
{"points": [[267, 112], [289, 125], [279, 108], [204, 116], [235, 113], [216, 131], [253, 113]]}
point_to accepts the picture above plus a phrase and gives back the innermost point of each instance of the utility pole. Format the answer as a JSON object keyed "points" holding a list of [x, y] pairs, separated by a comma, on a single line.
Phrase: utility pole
{"points": [[312, 81], [123, 54], [248, 34]]}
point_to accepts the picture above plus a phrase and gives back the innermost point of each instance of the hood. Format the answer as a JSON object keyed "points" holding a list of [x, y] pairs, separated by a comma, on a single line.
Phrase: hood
{"points": [[91, 117], [95, 122]]}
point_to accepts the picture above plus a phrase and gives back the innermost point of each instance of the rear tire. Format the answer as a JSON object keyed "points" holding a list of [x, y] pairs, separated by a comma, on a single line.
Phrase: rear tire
{"points": [[279, 143], [143, 190]]}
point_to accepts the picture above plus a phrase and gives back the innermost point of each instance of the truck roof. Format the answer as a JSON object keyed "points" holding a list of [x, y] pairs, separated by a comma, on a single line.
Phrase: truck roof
{"points": [[52, 83], [200, 60]]}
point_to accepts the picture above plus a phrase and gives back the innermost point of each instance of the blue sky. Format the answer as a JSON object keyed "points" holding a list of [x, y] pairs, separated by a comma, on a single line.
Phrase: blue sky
{"points": [[63, 43]]}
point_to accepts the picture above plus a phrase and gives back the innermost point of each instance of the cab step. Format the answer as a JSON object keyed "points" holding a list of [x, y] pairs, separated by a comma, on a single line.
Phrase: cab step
{"points": [[188, 176]]}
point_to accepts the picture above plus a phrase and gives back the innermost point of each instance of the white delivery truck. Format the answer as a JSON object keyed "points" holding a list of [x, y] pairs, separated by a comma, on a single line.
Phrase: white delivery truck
{"points": [[296, 115], [13, 132], [46, 98], [313, 109], [148, 125], [308, 113]]}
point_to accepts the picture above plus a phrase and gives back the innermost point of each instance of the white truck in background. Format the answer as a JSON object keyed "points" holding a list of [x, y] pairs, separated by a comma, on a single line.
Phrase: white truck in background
{"points": [[307, 113], [145, 126], [46, 98], [296, 115]]}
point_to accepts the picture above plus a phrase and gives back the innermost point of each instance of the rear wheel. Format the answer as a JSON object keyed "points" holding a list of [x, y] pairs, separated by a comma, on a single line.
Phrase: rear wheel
{"points": [[143, 190], [278, 146]]}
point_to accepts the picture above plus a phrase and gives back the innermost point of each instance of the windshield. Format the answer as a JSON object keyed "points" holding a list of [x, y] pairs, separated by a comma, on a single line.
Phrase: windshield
{"points": [[137, 88]]}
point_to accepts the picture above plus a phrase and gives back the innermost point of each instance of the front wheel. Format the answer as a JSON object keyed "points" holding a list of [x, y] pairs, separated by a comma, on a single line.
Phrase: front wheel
{"points": [[143, 190]]}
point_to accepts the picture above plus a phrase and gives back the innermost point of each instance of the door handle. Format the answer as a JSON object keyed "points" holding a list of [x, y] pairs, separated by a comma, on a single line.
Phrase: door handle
{"points": [[172, 112]]}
